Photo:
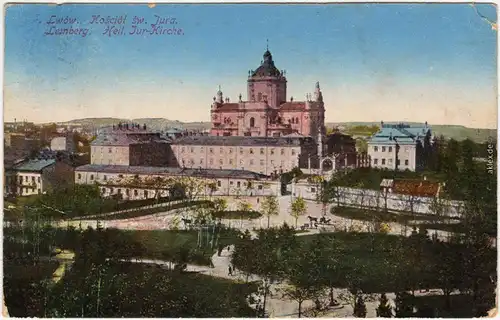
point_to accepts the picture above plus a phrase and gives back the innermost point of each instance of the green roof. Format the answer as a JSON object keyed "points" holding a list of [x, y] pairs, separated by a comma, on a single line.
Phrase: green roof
{"points": [[34, 165]]}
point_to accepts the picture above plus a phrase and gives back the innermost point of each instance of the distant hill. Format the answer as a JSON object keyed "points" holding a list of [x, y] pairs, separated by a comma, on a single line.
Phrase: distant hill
{"points": [[449, 131], [152, 123]]}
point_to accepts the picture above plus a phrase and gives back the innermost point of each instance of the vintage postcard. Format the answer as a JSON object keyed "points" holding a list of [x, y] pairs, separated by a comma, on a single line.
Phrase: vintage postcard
{"points": [[250, 160]]}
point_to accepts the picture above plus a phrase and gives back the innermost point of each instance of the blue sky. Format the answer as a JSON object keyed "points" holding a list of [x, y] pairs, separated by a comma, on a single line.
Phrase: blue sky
{"points": [[420, 62]]}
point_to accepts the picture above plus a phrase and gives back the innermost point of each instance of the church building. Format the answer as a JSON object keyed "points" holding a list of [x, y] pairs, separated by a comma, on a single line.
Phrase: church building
{"points": [[267, 112]]}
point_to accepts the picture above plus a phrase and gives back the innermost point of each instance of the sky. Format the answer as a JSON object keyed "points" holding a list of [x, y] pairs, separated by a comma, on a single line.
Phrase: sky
{"points": [[390, 62]]}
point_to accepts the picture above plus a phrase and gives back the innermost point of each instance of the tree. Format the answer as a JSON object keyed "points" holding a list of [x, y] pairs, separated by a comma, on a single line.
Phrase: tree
{"points": [[324, 256], [332, 190], [193, 187], [219, 205], [297, 174], [305, 276], [359, 307], [244, 207], [244, 254], [298, 208], [384, 309], [270, 207], [158, 184], [404, 305]]}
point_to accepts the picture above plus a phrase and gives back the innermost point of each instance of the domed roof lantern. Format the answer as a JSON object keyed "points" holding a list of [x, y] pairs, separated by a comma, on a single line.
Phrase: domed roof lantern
{"points": [[267, 67], [220, 98]]}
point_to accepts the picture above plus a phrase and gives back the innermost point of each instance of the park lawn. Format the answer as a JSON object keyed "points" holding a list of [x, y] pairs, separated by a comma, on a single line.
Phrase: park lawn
{"points": [[145, 212], [366, 214], [377, 271], [238, 215], [164, 244], [135, 290]]}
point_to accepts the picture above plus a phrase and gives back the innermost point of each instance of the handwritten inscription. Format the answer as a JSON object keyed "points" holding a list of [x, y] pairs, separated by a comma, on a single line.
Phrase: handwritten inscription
{"points": [[113, 26]]}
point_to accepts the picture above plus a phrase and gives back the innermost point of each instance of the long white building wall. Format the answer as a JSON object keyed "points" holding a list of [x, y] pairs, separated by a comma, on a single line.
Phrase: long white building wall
{"points": [[377, 199]]}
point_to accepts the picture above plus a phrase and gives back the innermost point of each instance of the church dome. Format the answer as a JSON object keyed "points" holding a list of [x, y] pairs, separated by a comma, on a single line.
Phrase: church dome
{"points": [[267, 68]]}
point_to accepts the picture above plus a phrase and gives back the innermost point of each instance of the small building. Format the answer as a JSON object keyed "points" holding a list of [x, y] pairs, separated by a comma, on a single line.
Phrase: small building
{"points": [[63, 143], [417, 188], [398, 147], [36, 176], [173, 133], [130, 144], [126, 182]]}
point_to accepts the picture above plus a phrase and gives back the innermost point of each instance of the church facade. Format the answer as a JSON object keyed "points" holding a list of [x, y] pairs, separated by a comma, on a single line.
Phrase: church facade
{"points": [[266, 112]]}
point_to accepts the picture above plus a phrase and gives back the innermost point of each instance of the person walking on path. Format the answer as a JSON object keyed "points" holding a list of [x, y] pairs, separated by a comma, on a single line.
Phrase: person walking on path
{"points": [[230, 271]]}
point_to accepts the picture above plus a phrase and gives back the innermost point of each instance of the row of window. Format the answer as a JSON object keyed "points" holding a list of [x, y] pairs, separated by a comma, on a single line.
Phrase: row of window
{"points": [[230, 162], [230, 150], [105, 178], [389, 161], [29, 190], [375, 148], [110, 150], [145, 192], [26, 179]]}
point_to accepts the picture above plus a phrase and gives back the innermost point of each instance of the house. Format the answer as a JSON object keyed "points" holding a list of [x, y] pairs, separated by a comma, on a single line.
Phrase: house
{"points": [[36, 176], [417, 188], [119, 180], [399, 146]]}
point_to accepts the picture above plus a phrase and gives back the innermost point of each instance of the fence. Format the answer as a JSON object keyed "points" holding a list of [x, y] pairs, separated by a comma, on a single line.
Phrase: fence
{"points": [[379, 199]]}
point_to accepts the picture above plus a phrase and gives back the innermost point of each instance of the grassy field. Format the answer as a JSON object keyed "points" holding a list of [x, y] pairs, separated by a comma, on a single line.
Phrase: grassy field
{"points": [[165, 244]]}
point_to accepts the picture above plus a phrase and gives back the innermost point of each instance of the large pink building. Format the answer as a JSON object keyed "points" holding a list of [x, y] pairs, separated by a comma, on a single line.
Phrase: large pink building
{"points": [[267, 113]]}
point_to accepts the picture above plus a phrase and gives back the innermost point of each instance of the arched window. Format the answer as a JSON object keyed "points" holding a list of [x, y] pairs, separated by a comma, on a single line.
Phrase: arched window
{"points": [[259, 97], [252, 122], [296, 120]]}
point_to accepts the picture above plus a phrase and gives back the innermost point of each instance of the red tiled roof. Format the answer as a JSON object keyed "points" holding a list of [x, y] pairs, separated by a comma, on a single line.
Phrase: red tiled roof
{"points": [[291, 106], [421, 188], [228, 107]]}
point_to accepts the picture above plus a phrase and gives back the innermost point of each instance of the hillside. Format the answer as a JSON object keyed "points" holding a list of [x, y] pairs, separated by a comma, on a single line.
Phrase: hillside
{"points": [[152, 123], [450, 131]]}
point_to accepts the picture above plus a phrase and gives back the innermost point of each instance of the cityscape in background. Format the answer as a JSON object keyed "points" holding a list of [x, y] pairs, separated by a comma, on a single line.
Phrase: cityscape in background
{"points": [[265, 210]]}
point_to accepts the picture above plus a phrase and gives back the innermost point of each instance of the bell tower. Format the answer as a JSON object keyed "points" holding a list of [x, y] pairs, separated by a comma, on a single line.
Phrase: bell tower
{"points": [[267, 83]]}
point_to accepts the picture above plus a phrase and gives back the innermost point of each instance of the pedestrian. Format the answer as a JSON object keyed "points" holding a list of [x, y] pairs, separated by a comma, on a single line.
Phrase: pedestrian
{"points": [[230, 271]]}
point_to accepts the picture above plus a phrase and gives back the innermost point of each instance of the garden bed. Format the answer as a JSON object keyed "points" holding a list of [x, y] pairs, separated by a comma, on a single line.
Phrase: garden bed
{"points": [[144, 212], [237, 214], [366, 214]]}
